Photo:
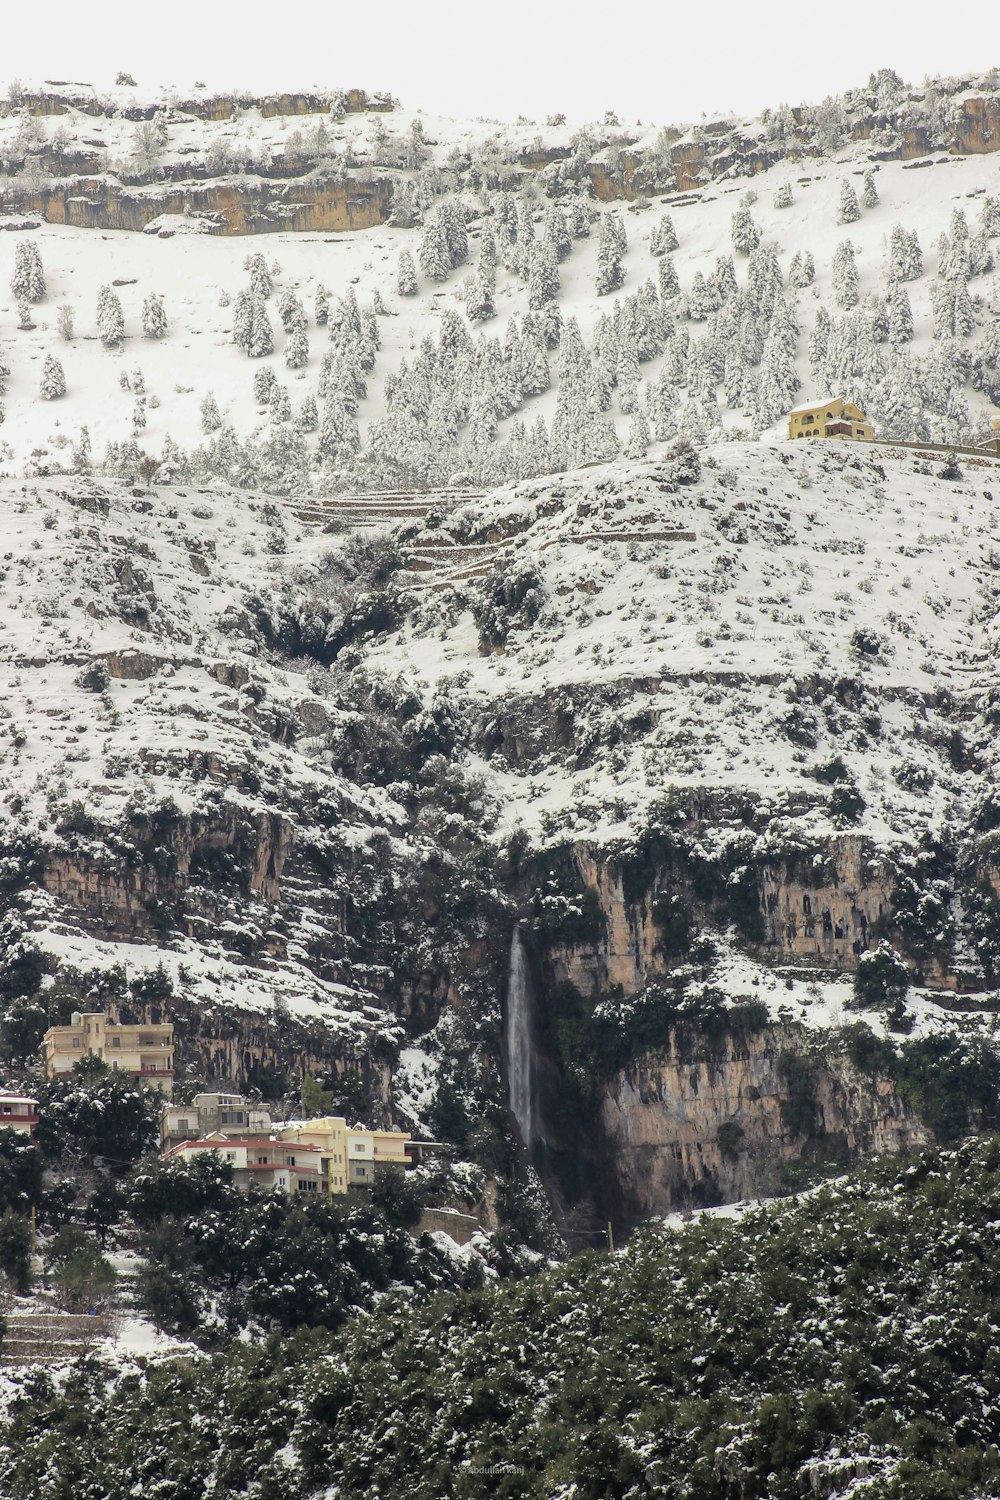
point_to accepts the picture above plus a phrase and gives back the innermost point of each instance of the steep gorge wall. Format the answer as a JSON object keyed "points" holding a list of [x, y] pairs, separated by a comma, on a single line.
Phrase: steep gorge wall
{"points": [[714, 1122], [821, 912]]}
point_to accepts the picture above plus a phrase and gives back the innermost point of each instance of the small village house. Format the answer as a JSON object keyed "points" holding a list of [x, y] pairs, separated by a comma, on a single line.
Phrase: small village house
{"points": [[350, 1156], [18, 1112], [830, 417], [145, 1053], [212, 1114], [281, 1166]]}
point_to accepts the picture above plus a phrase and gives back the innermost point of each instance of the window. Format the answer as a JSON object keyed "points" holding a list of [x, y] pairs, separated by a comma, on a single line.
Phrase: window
{"points": [[116, 1041], [77, 1042], [289, 1161], [183, 1125], [859, 432], [262, 1161], [230, 1156]]}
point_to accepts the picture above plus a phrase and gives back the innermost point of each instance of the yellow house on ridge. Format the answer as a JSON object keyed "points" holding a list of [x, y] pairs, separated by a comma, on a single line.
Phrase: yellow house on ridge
{"points": [[830, 417]]}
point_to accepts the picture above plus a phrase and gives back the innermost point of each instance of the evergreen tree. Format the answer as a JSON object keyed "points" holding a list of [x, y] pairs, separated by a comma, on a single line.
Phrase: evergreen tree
{"points": [[338, 434], [663, 239], [433, 254], [670, 286], [243, 320], [307, 418], [479, 303], [980, 254], [291, 312], [849, 209], [869, 195], [154, 317], [611, 248], [638, 440], [453, 222], [845, 276], [745, 232], [900, 314], [263, 383], [28, 280], [543, 281], [260, 277], [321, 305], [905, 258], [783, 196], [261, 341], [279, 404], [110, 318], [211, 418], [297, 350], [818, 344], [555, 232], [53, 380]]}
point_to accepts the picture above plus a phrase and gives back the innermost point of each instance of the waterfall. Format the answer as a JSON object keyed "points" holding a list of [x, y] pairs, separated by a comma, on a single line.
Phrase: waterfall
{"points": [[520, 1041]]}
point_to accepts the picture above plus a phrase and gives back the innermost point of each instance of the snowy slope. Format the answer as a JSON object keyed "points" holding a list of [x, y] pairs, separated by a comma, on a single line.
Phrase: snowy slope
{"points": [[193, 271]]}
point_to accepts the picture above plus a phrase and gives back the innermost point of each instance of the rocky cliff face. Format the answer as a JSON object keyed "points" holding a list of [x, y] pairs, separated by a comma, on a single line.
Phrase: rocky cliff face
{"points": [[717, 1122], [245, 206]]}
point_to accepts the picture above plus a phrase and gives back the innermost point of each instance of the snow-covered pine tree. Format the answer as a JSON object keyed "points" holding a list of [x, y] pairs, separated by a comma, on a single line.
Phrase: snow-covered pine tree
{"points": [[154, 317], [243, 320], [261, 333], [637, 443], [321, 304], [848, 208], [53, 380], [818, 344], [110, 318], [900, 314], [297, 350], [876, 312], [291, 312], [28, 280], [555, 231], [279, 406], [846, 289], [980, 254], [670, 286], [452, 219], [307, 417], [611, 249], [139, 416], [699, 303], [534, 365], [783, 196], [479, 303], [211, 417], [663, 239], [260, 277], [543, 279], [433, 254], [905, 257], [745, 232], [869, 193], [263, 382], [338, 439], [4, 372]]}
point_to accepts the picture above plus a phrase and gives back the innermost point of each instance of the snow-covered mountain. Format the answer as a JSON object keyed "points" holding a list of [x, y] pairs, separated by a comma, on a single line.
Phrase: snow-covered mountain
{"points": [[291, 761]]}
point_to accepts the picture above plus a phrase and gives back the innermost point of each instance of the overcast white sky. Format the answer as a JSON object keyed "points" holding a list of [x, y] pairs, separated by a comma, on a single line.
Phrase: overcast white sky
{"points": [[652, 60]]}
